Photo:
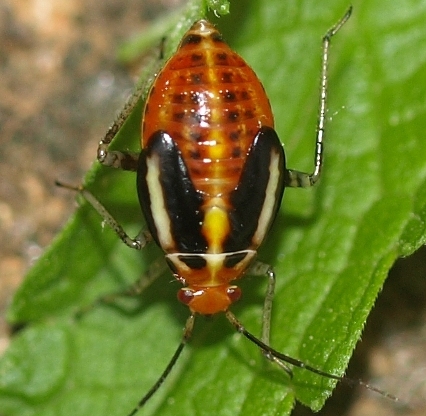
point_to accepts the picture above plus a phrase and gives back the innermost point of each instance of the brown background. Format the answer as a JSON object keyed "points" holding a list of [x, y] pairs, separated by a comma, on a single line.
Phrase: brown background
{"points": [[60, 87]]}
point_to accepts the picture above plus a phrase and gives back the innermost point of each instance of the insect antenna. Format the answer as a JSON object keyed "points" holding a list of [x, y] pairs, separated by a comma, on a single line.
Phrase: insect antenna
{"points": [[280, 358], [187, 332]]}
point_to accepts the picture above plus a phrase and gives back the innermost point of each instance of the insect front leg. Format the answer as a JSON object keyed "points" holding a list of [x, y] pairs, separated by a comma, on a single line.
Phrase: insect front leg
{"points": [[263, 269], [155, 270]]}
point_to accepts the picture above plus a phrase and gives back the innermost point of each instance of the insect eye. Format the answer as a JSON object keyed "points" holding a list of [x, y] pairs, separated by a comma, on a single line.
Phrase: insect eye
{"points": [[234, 293], [186, 295]]}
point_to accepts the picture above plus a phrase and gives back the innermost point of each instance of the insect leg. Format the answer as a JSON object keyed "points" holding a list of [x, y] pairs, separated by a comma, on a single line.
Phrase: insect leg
{"points": [[115, 158], [155, 270], [137, 243], [280, 359], [263, 269], [295, 178]]}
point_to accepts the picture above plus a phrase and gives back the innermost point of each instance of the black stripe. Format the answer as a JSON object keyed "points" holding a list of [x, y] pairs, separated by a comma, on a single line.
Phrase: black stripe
{"points": [[182, 201], [249, 197]]}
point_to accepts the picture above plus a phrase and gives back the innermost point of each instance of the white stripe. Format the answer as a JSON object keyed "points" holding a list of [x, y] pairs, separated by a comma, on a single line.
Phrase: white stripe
{"points": [[270, 196], [158, 206]]}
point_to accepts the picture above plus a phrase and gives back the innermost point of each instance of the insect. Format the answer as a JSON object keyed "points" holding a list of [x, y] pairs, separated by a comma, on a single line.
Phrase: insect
{"points": [[210, 179]]}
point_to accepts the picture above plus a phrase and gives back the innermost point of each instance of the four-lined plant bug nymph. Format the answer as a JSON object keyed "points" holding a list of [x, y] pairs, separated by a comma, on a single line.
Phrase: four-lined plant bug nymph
{"points": [[210, 179]]}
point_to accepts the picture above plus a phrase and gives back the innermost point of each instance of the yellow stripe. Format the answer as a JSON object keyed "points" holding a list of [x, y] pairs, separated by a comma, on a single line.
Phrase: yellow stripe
{"points": [[215, 228]]}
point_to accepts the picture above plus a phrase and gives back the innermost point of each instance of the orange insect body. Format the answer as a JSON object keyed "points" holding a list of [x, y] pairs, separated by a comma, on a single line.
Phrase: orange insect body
{"points": [[210, 179], [205, 113], [212, 104]]}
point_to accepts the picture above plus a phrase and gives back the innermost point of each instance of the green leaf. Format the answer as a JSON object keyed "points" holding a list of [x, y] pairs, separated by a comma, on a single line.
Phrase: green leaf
{"points": [[331, 246]]}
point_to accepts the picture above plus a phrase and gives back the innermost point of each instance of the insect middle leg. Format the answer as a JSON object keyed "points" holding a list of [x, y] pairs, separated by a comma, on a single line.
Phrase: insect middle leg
{"points": [[155, 269], [136, 243]]}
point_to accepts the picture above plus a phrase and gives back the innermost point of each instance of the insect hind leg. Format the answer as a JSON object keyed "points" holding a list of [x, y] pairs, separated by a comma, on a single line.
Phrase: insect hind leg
{"points": [[117, 158], [298, 179]]}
